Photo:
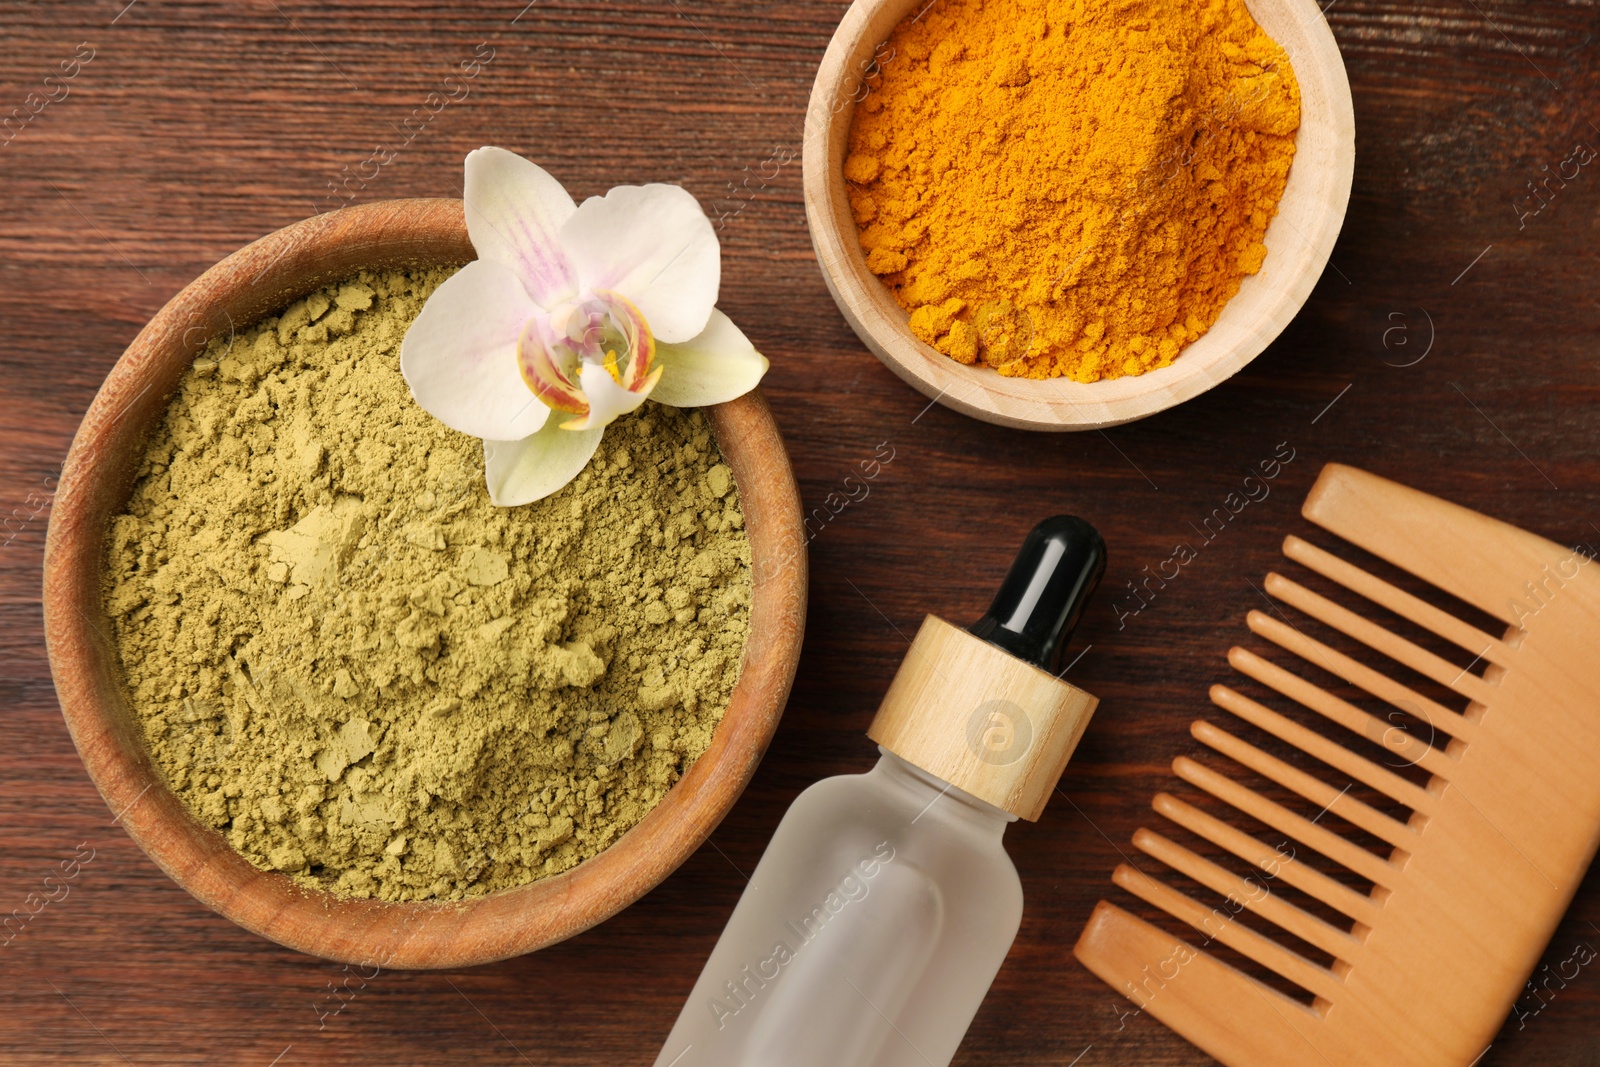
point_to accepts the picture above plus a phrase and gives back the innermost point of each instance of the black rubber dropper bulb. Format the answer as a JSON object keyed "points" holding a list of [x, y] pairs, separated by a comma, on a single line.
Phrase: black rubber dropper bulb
{"points": [[1045, 591]]}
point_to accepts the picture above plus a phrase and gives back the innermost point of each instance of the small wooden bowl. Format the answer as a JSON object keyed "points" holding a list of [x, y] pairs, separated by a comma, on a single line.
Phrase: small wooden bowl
{"points": [[1298, 240], [95, 485]]}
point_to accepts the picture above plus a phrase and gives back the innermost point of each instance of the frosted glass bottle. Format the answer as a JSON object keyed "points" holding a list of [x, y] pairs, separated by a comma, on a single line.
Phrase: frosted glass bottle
{"points": [[887, 891], [885, 904]]}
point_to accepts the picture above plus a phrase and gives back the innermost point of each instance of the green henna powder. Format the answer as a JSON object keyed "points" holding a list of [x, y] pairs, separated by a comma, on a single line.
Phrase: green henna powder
{"points": [[366, 675]]}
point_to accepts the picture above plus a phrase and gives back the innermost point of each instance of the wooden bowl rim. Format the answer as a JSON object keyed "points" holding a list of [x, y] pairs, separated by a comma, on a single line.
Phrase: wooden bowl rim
{"points": [[95, 482], [1297, 253]]}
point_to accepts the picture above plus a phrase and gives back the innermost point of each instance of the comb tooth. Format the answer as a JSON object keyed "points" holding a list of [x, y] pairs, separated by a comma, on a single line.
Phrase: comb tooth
{"points": [[1336, 756], [1472, 557], [1380, 639], [1359, 674], [1398, 601], [1338, 896], [1392, 737], [1253, 895], [1338, 801], [1230, 1015], [1373, 868], [1268, 953]]}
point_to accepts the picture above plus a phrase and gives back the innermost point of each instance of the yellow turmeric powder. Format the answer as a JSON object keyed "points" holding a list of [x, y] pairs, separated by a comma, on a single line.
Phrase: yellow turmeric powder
{"points": [[1071, 187]]}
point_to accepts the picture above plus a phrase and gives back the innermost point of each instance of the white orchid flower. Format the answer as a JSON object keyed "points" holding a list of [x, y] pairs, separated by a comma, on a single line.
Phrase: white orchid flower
{"points": [[570, 316]]}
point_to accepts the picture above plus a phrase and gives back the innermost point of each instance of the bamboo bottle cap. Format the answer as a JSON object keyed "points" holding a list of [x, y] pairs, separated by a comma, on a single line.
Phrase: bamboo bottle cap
{"points": [[980, 708], [981, 719]]}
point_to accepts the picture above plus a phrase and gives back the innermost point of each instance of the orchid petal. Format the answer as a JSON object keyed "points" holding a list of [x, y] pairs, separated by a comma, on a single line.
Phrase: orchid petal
{"points": [[653, 245], [520, 472], [636, 335], [515, 212], [460, 354], [541, 373], [715, 367], [607, 397]]}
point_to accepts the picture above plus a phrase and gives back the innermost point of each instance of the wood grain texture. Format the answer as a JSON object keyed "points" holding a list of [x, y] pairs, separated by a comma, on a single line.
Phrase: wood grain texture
{"points": [[1298, 241], [981, 719], [1471, 885], [198, 127]]}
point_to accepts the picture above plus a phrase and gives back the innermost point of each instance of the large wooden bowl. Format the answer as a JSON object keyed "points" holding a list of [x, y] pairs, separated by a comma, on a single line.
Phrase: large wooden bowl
{"points": [[1298, 240], [95, 485]]}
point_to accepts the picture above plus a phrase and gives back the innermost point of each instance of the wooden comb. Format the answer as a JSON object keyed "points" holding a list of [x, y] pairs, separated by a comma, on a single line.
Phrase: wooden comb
{"points": [[1466, 890]]}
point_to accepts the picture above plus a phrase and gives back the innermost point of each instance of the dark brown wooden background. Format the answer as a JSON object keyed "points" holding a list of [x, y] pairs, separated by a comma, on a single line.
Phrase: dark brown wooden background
{"points": [[197, 127]]}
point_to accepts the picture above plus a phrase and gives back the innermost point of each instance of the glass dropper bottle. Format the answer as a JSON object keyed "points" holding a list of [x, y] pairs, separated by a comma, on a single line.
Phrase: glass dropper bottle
{"points": [[882, 909]]}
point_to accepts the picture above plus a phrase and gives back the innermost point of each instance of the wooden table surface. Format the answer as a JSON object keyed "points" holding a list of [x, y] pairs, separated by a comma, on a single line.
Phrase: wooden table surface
{"points": [[1451, 344]]}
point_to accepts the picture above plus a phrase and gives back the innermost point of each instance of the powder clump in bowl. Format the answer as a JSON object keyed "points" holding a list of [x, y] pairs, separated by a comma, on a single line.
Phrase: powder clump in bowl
{"points": [[1070, 188], [366, 675]]}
